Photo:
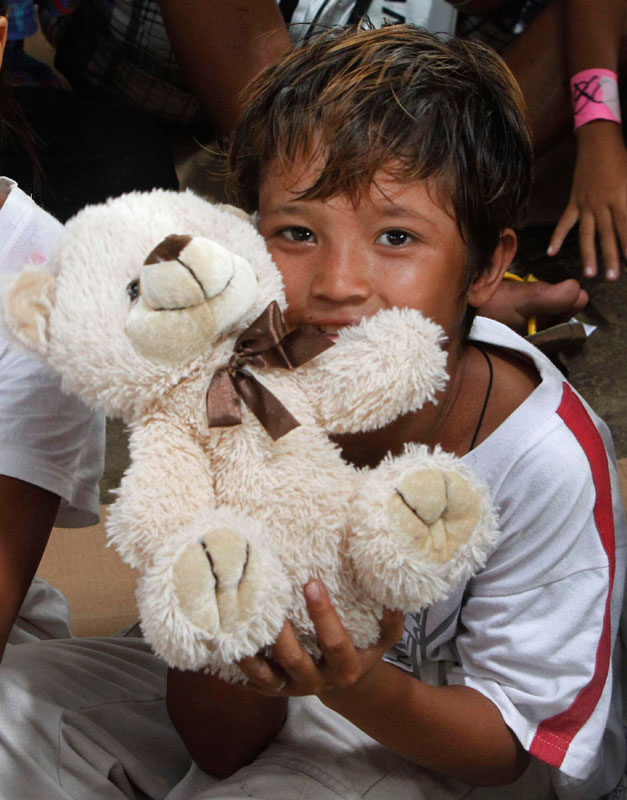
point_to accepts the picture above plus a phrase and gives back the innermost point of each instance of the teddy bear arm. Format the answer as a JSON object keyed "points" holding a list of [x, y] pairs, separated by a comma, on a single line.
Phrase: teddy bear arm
{"points": [[167, 484], [388, 365]]}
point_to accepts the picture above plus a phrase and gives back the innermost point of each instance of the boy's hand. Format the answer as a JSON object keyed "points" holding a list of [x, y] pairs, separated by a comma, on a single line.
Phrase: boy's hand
{"points": [[598, 199], [294, 672]]}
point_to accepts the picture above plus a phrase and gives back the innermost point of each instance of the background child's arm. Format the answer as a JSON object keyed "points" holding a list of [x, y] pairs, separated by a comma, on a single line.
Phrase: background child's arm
{"points": [[27, 514], [221, 46]]}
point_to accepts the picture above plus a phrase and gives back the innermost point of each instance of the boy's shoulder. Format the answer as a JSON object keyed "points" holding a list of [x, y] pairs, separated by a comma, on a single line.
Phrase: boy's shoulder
{"points": [[552, 436]]}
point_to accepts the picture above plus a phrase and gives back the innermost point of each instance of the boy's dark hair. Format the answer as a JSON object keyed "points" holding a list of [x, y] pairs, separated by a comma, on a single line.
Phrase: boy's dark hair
{"points": [[397, 98]]}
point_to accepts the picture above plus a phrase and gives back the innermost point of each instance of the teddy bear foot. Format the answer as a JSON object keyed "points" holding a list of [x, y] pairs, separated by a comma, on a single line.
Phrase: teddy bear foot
{"points": [[217, 580], [213, 595], [422, 525], [437, 508]]}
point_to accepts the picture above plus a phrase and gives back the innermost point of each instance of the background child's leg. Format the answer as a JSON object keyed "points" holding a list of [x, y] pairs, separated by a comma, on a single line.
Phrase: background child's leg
{"points": [[86, 718]]}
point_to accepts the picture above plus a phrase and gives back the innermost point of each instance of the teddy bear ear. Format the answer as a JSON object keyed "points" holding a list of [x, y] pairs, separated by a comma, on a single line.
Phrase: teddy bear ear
{"points": [[27, 303], [237, 212]]}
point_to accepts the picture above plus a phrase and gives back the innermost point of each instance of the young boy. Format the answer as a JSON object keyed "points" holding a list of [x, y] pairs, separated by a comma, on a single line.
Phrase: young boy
{"points": [[388, 169]]}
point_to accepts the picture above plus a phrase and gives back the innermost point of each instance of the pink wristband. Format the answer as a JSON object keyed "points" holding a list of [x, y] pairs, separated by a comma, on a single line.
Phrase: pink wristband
{"points": [[595, 96]]}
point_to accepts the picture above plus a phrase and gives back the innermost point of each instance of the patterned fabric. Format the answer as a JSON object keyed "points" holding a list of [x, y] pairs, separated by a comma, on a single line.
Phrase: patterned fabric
{"points": [[119, 50], [22, 19], [308, 17], [23, 15]]}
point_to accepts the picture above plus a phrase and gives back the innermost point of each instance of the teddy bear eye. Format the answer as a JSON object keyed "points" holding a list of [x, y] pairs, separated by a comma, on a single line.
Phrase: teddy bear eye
{"points": [[132, 290]]}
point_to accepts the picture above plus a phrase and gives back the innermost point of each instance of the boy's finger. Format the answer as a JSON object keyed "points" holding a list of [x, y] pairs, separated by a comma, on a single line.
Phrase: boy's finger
{"points": [[392, 626], [564, 225], [262, 677], [586, 245], [336, 646], [296, 663]]}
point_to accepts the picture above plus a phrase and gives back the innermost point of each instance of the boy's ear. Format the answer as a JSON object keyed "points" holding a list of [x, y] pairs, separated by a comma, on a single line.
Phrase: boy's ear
{"points": [[488, 282], [26, 306]]}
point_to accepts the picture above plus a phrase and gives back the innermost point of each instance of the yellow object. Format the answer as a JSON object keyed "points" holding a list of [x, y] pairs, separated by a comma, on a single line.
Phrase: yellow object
{"points": [[532, 325]]}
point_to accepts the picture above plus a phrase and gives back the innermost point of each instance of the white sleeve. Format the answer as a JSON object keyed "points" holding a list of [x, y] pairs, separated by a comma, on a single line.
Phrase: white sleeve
{"points": [[48, 438], [539, 625]]}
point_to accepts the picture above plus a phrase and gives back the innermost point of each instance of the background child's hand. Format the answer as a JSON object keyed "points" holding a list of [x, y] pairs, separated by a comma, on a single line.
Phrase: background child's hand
{"points": [[598, 198], [514, 303], [294, 672]]}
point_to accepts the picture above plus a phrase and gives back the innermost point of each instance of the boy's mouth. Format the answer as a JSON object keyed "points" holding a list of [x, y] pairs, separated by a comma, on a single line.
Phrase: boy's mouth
{"points": [[332, 331]]}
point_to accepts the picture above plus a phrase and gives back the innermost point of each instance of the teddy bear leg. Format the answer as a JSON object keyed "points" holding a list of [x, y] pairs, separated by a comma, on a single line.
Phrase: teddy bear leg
{"points": [[423, 524]]}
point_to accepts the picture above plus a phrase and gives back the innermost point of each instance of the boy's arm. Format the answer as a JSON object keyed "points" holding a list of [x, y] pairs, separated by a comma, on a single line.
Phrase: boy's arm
{"points": [[451, 729], [224, 726], [454, 730], [27, 514]]}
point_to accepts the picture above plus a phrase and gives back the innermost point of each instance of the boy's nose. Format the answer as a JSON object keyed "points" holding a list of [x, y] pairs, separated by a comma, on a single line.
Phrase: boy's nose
{"points": [[341, 276]]}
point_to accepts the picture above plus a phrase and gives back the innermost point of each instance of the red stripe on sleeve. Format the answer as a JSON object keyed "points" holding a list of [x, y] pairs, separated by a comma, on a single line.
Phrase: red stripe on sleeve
{"points": [[555, 734]]}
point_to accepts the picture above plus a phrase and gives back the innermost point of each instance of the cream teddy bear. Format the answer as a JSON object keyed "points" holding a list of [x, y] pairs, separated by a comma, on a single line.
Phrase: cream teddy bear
{"points": [[165, 310]]}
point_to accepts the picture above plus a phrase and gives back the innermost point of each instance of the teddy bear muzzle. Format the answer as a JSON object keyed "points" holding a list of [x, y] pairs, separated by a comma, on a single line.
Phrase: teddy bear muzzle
{"points": [[183, 272], [190, 290]]}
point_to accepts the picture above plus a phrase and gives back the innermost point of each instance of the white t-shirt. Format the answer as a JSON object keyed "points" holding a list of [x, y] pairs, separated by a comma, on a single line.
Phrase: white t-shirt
{"points": [[46, 437], [536, 630], [311, 16]]}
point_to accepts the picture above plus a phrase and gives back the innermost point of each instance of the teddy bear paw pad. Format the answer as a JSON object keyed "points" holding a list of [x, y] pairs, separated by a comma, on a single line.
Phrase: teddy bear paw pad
{"points": [[436, 507], [216, 579]]}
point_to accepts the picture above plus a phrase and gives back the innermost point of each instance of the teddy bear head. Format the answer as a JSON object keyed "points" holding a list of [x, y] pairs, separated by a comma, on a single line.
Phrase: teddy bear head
{"points": [[142, 292]]}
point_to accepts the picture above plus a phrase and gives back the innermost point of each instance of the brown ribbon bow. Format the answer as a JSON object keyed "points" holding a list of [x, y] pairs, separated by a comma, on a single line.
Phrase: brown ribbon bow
{"points": [[264, 344]]}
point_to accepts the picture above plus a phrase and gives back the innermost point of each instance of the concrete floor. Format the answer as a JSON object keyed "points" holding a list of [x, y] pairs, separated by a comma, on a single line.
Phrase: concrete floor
{"points": [[597, 368]]}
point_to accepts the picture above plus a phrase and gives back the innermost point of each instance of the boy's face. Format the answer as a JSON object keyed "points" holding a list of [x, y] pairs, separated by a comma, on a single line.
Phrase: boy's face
{"points": [[341, 262]]}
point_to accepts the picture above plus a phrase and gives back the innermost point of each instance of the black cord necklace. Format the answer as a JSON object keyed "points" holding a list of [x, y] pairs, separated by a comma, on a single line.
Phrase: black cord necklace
{"points": [[487, 394]]}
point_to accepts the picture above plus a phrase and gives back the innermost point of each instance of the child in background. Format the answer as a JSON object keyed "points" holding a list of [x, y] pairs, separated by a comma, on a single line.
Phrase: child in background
{"points": [[388, 169], [23, 23], [568, 57], [51, 446]]}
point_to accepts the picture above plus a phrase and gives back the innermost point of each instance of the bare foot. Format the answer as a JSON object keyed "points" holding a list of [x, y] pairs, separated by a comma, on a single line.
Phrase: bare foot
{"points": [[513, 303]]}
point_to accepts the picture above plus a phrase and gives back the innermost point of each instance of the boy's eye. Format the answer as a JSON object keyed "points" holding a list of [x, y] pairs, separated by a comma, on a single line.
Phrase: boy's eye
{"points": [[394, 238], [296, 233]]}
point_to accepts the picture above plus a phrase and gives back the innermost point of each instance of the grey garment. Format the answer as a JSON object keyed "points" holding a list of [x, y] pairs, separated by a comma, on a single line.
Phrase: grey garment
{"points": [[85, 719], [318, 755], [82, 718]]}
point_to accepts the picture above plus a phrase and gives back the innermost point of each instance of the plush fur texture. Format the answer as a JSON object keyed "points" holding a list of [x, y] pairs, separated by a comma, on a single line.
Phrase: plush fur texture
{"points": [[224, 524]]}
